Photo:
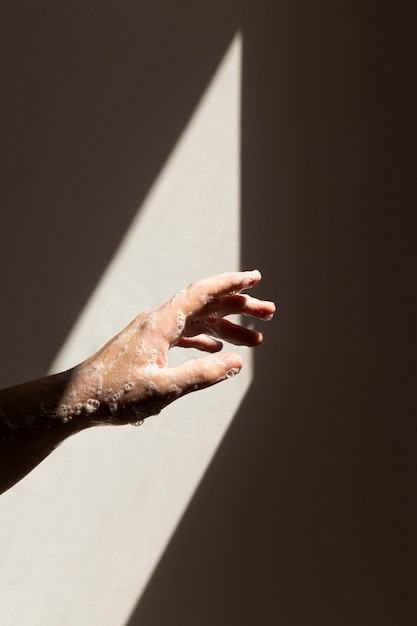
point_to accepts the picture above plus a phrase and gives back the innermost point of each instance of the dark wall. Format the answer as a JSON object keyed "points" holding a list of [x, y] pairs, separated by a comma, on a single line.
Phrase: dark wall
{"points": [[308, 514]]}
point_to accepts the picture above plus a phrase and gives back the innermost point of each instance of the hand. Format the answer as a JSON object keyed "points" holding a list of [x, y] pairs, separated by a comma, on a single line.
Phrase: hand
{"points": [[129, 378]]}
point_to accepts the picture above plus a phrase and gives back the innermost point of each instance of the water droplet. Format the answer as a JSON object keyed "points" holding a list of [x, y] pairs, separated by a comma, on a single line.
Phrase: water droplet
{"points": [[138, 423]]}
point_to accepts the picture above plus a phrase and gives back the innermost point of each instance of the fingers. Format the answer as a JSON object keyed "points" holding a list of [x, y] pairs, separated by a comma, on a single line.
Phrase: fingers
{"points": [[225, 330], [241, 304], [201, 342], [201, 373], [238, 335], [194, 316], [199, 293], [203, 304]]}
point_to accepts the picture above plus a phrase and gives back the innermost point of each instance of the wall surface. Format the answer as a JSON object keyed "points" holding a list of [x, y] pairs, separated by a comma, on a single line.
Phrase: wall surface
{"points": [[123, 185], [306, 514]]}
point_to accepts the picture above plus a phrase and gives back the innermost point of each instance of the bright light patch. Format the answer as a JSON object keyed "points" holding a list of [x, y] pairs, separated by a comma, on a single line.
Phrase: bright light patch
{"points": [[122, 491]]}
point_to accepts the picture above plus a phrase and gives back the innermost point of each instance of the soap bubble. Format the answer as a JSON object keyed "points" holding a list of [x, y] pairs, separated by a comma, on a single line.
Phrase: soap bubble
{"points": [[91, 405]]}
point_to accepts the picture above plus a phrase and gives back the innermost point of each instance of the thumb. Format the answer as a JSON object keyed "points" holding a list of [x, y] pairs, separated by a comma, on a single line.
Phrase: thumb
{"points": [[204, 372]]}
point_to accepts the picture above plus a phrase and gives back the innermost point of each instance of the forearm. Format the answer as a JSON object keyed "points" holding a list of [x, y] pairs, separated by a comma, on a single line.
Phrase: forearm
{"points": [[33, 422]]}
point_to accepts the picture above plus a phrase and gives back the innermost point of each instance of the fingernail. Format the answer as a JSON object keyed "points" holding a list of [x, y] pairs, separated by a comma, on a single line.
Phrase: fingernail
{"points": [[268, 314], [232, 362], [254, 276]]}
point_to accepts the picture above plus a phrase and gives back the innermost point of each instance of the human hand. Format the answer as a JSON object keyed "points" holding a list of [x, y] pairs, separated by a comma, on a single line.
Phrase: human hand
{"points": [[129, 379]]}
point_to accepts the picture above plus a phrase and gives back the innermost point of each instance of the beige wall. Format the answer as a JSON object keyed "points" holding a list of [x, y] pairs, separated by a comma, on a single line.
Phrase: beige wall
{"points": [[307, 513]]}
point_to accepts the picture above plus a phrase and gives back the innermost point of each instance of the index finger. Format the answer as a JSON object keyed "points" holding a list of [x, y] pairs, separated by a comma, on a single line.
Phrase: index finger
{"points": [[201, 292]]}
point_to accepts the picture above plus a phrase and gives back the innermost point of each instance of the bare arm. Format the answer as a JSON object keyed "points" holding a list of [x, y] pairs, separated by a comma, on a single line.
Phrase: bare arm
{"points": [[129, 379]]}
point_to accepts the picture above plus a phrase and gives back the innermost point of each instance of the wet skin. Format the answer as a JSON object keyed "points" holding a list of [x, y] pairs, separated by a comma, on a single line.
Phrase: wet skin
{"points": [[129, 379]]}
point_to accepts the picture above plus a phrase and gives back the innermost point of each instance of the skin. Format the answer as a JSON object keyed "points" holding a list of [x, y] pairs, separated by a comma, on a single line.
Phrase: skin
{"points": [[129, 379]]}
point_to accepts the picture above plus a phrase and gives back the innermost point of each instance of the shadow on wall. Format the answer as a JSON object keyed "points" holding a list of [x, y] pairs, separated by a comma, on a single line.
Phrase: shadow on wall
{"points": [[307, 514], [94, 97]]}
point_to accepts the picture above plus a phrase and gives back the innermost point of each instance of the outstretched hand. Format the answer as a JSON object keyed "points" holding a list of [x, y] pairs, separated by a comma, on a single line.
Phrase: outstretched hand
{"points": [[129, 378]]}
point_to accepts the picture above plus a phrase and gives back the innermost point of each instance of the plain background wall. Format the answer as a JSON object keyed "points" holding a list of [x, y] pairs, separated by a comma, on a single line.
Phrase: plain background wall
{"points": [[80, 535], [307, 513]]}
